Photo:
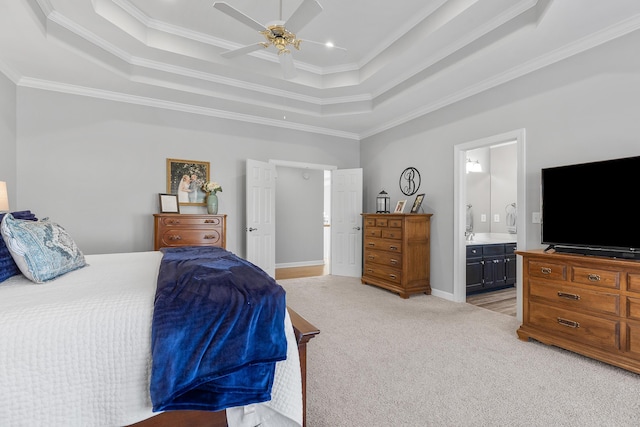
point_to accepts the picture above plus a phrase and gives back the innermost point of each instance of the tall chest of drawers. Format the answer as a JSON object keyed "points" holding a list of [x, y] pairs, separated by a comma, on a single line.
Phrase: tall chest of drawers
{"points": [[396, 252], [173, 230], [589, 305]]}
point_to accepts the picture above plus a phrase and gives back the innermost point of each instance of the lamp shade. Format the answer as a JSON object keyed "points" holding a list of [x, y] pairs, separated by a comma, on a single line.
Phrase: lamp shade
{"points": [[4, 197]]}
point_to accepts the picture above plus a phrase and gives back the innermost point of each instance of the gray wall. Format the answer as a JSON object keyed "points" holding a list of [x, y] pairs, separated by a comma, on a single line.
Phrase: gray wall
{"points": [[97, 166], [582, 109], [299, 220], [8, 137]]}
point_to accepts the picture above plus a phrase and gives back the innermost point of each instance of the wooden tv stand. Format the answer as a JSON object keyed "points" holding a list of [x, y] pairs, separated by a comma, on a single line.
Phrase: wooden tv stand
{"points": [[588, 305]]}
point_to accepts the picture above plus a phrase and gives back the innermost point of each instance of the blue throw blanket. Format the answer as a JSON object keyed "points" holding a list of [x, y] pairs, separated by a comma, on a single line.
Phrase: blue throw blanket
{"points": [[218, 329]]}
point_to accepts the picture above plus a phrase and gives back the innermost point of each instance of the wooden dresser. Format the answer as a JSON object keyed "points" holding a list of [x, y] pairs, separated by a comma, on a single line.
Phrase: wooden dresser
{"points": [[396, 252], [171, 230], [589, 305]]}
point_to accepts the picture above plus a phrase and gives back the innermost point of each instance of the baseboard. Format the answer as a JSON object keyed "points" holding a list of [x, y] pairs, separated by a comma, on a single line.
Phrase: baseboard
{"points": [[300, 264]]}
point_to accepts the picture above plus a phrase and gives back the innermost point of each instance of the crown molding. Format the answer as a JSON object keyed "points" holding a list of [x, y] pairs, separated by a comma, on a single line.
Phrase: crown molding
{"points": [[586, 43], [176, 106]]}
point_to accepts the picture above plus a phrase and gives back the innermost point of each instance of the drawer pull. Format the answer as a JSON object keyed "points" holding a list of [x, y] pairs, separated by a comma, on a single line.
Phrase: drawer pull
{"points": [[593, 277], [569, 296], [393, 248], [175, 238], [369, 270], [393, 276], [371, 257], [568, 323], [209, 221], [545, 270], [393, 261], [210, 236], [371, 244], [173, 221]]}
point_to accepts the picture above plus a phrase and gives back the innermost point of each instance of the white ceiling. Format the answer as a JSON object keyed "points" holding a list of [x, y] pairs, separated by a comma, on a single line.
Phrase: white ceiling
{"points": [[399, 60]]}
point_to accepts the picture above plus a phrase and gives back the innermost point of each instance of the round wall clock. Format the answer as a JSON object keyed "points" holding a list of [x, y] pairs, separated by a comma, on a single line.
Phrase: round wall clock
{"points": [[409, 181]]}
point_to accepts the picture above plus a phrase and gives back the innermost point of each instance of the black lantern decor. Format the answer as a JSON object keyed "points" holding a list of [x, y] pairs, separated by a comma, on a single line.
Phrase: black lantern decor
{"points": [[382, 202]]}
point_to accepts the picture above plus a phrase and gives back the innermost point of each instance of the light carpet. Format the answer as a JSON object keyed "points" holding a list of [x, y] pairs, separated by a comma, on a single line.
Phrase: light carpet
{"points": [[380, 360]]}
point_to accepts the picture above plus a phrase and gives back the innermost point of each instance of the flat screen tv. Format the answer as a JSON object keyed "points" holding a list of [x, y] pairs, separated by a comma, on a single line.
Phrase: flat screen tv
{"points": [[590, 208]]}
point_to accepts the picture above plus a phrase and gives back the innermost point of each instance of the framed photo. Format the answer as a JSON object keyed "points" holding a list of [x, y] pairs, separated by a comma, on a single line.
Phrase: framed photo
{"points": [[169, 203], [185, 179], [400, 206], [417, 203]]}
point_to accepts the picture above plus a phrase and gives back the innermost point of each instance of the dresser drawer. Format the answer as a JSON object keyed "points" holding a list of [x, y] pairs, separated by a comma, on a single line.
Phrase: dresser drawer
{"points": [[391, 275], [633, 338], [369, 222], [595, 277], [633, 282], [383, 258], [381, 222], [392, 233], [633, 308], [373, 232], [383, 244], [547, 270], [572, 297], [582, 328], [190, 237], [188, 221], [395, 223]]}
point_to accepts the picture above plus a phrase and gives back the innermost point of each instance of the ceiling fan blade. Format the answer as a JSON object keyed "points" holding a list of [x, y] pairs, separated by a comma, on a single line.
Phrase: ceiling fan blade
{"points": [[308, 10], [236, 14], [288, 68], [242, 50]]}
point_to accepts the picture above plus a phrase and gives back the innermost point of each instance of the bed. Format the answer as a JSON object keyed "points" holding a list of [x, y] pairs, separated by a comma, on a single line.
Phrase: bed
{"points": [[76, 351]]}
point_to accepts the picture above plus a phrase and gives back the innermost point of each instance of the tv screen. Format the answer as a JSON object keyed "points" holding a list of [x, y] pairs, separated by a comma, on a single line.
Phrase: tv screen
{"points": [[591, 206]]}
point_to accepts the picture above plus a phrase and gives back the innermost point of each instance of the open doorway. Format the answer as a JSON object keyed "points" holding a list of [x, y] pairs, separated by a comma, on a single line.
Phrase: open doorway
{"points": [[460, 208]]}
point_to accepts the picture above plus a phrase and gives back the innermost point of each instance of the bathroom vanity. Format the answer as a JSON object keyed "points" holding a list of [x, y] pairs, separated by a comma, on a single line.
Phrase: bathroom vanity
{"points": [[491, 262]]}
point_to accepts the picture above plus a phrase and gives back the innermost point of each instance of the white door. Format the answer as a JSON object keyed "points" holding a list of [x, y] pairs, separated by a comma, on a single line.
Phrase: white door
{"points": [[346, 222], [261, 215]]}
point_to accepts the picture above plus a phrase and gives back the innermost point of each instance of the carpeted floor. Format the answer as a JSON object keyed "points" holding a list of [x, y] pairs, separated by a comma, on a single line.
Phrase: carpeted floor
{"points": [[384, 361]]}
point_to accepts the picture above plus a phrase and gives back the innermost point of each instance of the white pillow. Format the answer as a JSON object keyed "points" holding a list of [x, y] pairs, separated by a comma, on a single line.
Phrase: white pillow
{"points": [[43, 250]]}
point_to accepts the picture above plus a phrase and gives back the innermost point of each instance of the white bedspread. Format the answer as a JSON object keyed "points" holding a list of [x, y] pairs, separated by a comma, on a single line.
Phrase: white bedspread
{"points": [[76, 351]]}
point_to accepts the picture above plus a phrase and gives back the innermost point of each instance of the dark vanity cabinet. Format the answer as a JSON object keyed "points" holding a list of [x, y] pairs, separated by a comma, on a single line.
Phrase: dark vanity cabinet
{"points": [[490, 266]]}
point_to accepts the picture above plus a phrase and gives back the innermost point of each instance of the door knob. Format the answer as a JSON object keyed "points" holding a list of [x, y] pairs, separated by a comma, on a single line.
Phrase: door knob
{"points": [[356, 228], [252, 229]]}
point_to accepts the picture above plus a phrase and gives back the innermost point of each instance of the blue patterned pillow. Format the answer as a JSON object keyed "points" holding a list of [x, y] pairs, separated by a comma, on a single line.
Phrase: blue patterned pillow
{"points": [[8, 267], [43, 250]]}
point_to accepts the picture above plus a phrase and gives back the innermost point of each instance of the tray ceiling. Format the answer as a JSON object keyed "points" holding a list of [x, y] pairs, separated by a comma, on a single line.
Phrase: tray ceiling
{"points": [[394, 63]]}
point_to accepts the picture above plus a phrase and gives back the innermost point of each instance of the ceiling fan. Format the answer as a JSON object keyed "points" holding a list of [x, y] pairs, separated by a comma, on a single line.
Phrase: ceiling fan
{"points": [[280, 34]]}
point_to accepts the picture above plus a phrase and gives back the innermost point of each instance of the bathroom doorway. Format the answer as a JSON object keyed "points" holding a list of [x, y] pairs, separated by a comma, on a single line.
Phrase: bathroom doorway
{"points": [[460, 207]]}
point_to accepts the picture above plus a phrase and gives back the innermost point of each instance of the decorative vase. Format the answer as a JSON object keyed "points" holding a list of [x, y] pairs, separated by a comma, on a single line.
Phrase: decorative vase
{"points": [[212, 203]]}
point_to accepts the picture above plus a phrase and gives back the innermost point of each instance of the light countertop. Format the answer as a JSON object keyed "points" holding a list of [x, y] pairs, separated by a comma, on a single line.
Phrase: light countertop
{"points": [[492, 238]]}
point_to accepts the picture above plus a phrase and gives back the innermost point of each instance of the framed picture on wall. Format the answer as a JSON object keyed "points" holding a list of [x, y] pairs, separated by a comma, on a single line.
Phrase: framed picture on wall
{"points": [[185, 179], [417, 203], [169, 203], [400, 206]]}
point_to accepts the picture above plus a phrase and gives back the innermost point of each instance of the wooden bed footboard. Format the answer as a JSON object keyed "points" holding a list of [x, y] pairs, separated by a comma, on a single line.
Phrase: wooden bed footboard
{"points": [[304, 331]]}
